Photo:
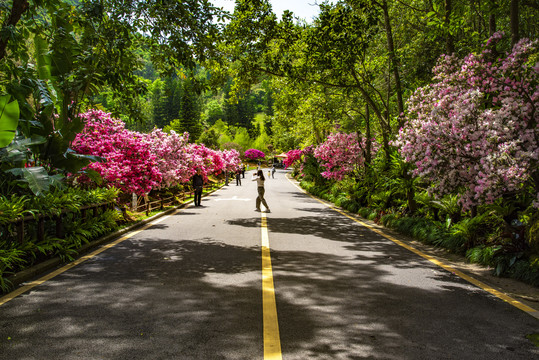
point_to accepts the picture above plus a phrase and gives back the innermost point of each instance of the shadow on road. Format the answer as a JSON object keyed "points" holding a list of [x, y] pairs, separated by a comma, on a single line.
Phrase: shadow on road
{"points": [[358, 297], [363, 294]]}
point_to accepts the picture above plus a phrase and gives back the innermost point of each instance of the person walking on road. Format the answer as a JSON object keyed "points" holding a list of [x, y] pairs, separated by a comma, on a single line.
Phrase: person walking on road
{"points": [[273, 172], [259, 178], [238, 177], [198, 184]]}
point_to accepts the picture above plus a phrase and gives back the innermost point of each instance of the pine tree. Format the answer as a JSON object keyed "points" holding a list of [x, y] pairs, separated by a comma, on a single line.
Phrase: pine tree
{"points": [[190, 112]]}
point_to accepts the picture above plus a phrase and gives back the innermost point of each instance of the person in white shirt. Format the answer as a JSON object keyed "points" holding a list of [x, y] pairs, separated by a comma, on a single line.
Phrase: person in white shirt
{"points": [[259, 178]]}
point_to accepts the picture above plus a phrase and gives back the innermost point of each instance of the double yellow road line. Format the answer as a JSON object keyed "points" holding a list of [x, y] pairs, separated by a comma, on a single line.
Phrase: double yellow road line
{"points": [[272, 341]]}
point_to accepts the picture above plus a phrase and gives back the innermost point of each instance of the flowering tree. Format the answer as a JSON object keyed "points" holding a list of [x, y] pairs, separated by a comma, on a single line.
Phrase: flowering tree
{"points": [[475, 130], [171, 155], [231, 159], [200, 157], [254, 154], [292, 156], [130, 165], [342, 154]]}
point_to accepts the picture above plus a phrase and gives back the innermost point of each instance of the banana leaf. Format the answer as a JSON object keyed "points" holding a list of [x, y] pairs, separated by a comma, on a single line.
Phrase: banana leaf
{"points": [[9, 120]]}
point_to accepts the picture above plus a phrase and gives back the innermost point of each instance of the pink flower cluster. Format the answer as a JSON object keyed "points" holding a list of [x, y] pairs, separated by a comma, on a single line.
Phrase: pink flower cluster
{"points": [[292, 156], [171, 156], [342, 154], [475, 130], [254, 154], [137, 162]]}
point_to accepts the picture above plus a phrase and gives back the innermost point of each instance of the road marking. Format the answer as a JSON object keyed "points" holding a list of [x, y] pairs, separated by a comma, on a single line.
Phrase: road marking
{"points": [[41, 280], [533, 312], [272, 342], [233, 198]]}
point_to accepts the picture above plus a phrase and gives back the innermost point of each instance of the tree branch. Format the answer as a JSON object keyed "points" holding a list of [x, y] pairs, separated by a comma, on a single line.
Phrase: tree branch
{"points": [[18, 8]]}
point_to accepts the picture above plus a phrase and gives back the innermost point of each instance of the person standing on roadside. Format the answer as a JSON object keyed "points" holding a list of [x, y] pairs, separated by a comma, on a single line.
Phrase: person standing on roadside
{"points": [[273, 172], [259, 178], [198, 185]]}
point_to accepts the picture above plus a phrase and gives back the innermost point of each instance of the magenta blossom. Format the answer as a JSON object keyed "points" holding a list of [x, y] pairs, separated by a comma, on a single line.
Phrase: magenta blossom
{"points": [[130, 166], [254, 154]]}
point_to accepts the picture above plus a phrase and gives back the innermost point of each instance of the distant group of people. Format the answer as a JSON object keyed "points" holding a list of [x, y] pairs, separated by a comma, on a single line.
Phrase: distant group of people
{"points": [[258, 176]]}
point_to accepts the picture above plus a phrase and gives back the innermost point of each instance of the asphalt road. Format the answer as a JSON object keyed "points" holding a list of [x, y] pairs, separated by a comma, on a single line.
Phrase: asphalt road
{"points": [[190, 287]]}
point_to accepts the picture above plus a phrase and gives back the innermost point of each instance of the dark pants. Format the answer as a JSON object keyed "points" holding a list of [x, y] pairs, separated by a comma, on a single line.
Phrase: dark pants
{"points": [[198, 195], [238, 180], [260, 198]]}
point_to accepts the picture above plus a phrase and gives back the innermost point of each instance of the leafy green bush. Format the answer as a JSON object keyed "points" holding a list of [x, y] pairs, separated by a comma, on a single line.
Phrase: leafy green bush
{"points": [[14, 255], [481, 254], [517, 267]]}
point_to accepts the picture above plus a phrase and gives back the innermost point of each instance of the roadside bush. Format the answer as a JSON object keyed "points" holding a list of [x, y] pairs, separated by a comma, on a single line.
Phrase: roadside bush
{"points": [[15, 256], [517, 267], [483, 255]]}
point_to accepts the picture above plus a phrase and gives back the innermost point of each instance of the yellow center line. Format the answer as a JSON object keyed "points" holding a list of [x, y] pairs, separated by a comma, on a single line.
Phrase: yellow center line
{"points": [[80, 260], [272, 342], [533, 312]]}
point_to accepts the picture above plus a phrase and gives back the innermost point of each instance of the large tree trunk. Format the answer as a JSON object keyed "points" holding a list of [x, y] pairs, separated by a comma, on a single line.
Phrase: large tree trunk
{"points": [[515, 37], [449, 43], [492, 18], [393, 62], [410, 197], [18, 8], [368, 140]]}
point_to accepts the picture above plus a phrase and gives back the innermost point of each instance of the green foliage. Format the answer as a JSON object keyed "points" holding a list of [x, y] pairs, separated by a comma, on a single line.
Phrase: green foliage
{"points": [[10, 258], [189, 113], [54, 202], [483, 255], [242, 138], [78, 231], [210, 139], [518, 267], [261, 143], [13, 207], [533, 231], [9, 120]]}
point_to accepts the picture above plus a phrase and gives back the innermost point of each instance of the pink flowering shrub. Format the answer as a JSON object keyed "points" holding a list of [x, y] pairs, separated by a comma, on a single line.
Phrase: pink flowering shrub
{"points": [[172, 157], [201, 157], [475, 130], [292, 156], [254, 154], [231, 159], [342, 154], [131, 165]]}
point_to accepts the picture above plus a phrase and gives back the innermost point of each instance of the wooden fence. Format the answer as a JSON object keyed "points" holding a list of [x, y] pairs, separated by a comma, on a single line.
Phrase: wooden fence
{"points": [[38, 225], [20, 226], [142, 203]]}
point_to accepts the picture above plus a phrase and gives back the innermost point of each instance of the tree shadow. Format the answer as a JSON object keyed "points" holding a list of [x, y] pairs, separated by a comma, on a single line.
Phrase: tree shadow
{"points": [[162, 298]]}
